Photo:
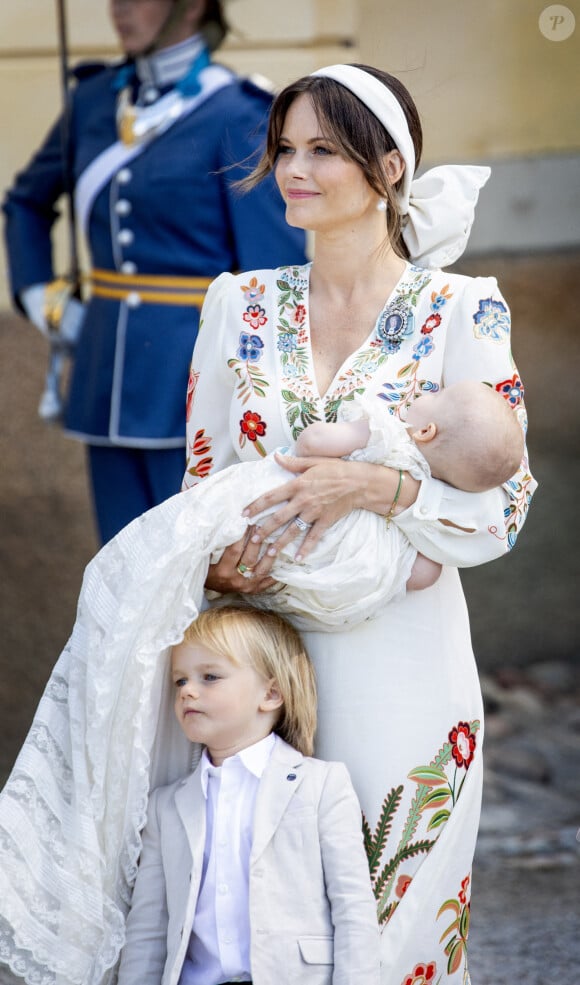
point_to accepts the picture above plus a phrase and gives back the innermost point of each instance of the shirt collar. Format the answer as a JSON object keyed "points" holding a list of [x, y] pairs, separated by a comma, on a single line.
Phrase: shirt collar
{"points": [[253, 759]]}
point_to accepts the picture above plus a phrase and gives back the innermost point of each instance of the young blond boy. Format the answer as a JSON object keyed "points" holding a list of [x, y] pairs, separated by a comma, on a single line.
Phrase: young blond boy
{"points": [[253, 867]]}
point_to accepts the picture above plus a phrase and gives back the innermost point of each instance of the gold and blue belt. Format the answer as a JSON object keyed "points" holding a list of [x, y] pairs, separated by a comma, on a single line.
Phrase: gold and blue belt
{"points": [[148, 288]]}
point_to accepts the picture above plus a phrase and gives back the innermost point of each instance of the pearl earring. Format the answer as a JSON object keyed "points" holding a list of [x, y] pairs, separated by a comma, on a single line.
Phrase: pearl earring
{"points": [[381, 205]]}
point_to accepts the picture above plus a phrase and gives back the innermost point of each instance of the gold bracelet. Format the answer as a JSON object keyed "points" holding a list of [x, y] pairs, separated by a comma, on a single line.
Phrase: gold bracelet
{"points": [[389, 516]]}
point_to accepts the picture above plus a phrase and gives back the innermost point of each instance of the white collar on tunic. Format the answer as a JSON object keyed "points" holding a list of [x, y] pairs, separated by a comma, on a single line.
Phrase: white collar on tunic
{"points": [[168, 65], [253, 758]]}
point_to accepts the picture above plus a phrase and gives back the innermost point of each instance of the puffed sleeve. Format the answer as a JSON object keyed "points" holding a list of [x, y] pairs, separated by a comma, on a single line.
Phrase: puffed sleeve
{"points": [[209, 391], [446, 524]]}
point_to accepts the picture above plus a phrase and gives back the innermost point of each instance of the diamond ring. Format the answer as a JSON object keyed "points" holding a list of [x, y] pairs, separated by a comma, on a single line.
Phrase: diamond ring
{"points": [[301, 524]]}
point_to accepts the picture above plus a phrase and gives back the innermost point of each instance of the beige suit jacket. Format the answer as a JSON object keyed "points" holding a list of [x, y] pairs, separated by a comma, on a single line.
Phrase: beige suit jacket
{"points": [[312, 911]]}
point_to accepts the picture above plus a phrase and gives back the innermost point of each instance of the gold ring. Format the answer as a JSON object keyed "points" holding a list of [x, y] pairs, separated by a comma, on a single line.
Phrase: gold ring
{"points": [[243, 568]]}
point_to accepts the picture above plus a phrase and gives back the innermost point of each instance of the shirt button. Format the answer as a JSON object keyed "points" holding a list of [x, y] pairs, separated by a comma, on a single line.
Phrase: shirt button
{"points": [[128, 267], [124, 176], [223, 888], [123, 207], [133, 299], [424, 510], [125, 237]]}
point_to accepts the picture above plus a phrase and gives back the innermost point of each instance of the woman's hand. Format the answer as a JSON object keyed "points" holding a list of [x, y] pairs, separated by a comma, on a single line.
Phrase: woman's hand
{"points": [[235, 570], [324, 490]]}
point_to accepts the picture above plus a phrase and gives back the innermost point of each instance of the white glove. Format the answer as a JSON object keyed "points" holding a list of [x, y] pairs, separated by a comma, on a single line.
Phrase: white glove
{"points": [[33, 300], [72, 321]]}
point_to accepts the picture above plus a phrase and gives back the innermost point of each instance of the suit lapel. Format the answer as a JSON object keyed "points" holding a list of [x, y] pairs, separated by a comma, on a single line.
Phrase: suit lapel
{"points": [[280, 781], [190, 807]]}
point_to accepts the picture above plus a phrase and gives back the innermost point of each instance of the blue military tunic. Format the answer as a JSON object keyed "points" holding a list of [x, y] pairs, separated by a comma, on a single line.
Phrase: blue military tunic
{"points": [[170, 210]]}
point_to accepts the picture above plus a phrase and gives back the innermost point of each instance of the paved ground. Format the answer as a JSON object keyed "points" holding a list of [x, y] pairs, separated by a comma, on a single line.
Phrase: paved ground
{"points": [[525, 616]]}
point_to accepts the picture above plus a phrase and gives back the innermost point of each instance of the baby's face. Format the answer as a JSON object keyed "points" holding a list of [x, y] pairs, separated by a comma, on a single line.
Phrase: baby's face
{"points": [[426, 409]]}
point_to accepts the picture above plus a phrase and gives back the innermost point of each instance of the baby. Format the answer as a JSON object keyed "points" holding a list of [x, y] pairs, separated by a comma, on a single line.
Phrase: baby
{"points": [[466, 435]]}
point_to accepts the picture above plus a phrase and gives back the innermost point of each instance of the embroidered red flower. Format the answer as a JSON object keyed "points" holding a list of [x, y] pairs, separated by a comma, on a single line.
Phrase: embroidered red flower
{"points": [[255, 316], [431, 322], [191, 385], [299, 314], [252, 425], [422, 974], [512, 390], [402, 886], [463, 891], [463, 742]]}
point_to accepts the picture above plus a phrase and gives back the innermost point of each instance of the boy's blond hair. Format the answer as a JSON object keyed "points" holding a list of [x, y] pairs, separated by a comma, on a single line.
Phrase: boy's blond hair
{"points": [[274, 649]]}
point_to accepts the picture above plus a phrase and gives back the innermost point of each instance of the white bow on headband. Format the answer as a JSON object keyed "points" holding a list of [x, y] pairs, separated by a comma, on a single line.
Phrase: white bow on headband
{"points": [[440, 205]]}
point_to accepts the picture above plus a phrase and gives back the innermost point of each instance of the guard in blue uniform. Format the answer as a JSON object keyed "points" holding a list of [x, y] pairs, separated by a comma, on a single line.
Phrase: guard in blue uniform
{"points": [[157, 143]]}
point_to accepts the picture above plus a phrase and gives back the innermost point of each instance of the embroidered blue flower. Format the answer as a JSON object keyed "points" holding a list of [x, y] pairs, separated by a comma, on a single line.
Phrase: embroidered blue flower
{"points": [[491, 321], [287, 341], [423, 348], [438, 301], [250, 347]]}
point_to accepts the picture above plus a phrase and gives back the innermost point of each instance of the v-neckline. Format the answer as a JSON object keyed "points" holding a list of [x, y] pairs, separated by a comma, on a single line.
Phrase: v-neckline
{"points": [[322, 398]]}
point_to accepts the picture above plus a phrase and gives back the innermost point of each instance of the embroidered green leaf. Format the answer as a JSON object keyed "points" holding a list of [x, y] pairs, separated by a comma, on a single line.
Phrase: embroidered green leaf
{"points": [[449, 904], [455, 957], [289, 396], [382, 884], [464, 922], [385, 916], [375, 844], [432, 776], [436, 798], [407, 370], [300, 359], [292, 415], [439, 818]]}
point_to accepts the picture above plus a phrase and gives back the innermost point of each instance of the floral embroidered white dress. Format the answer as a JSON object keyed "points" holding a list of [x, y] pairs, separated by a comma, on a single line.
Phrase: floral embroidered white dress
{"points": [[399, 699]]}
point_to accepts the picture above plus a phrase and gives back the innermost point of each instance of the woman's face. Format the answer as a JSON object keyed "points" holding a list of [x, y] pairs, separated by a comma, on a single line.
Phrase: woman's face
{"points": [[322, 189], [138, 23]]}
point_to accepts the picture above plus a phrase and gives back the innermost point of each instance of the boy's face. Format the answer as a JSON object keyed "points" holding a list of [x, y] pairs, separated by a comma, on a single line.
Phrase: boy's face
{"points": [[225, 706]]}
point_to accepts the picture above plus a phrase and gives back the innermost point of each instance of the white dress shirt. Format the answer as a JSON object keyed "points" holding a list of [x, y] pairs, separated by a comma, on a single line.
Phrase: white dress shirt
{"points": [[219, 946]]}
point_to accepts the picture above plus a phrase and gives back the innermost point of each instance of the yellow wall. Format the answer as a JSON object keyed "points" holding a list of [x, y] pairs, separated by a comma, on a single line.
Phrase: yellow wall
{"points": [[487, 82]]}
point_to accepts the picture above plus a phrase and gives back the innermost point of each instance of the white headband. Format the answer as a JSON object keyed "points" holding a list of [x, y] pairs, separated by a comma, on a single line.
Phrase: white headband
{"points": [[440, 205]]}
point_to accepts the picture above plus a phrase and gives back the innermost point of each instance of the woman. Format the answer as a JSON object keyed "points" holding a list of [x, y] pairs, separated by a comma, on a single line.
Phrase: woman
{"points": [[399, 698]]}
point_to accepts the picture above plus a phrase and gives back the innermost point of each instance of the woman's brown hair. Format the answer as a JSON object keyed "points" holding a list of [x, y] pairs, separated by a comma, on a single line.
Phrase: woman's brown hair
{"points": [[356, 131]]}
